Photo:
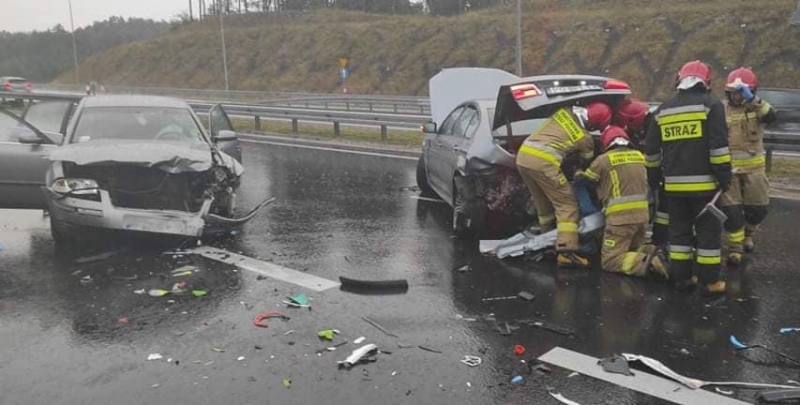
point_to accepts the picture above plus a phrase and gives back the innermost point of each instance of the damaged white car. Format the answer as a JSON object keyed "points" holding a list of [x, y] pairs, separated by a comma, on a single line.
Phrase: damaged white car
{"points": [[127, 163]]}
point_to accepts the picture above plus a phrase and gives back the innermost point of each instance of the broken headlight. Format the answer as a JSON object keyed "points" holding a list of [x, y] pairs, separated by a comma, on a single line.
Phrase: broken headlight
{"points": [[75, 187]]}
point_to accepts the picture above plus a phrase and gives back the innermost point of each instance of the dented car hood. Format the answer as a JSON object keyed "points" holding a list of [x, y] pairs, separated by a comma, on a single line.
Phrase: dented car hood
{"points": [[171, 157]]}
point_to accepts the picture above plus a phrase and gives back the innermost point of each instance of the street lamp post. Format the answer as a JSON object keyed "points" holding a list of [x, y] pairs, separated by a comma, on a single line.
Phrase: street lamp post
{"points": [[224, 54], [519, 38], [74, 45]]}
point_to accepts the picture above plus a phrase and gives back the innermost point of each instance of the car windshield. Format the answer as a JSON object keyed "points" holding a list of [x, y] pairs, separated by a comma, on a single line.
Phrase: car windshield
{"points": [[137, 123]]}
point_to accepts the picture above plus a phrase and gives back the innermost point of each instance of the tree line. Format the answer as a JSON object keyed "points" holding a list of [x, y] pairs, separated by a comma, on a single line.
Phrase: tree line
{"points": [[203, 8], [43, 55]]}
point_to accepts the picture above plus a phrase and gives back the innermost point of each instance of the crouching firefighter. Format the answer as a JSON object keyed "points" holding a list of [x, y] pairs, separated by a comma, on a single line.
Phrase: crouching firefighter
{"points": [[539, 163], [687, 147], [634, 116], [747, 200], [621, 180]]}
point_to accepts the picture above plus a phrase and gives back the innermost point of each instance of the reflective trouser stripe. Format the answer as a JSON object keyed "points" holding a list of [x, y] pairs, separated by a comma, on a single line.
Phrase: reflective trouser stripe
{"points": [[662, 218], [680, 252], [709, 256], [591, 174], [546, 220], [736, 236], [629, 261], [633, 205], [744, 159], [718, 160], [653, 160], [554, 159], [569, 227], [690, 183]]}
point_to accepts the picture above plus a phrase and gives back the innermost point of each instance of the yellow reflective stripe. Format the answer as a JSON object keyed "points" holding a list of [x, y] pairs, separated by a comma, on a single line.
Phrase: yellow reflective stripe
{"points": [[662, 221], [764, 110], [680, 256], [652, 163], [591, 174], [633, 205], [614, 184], [540, 154], [689, 187], [736, 237], [565, 120], [690, 116], [709, 260], [753, 161], [718, 160], [546, 218], [629, 261], [568, 227], [627, 157]]}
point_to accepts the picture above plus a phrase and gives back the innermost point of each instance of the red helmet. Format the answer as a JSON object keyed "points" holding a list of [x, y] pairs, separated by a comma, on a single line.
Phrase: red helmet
{"points": [[614, 135], [742, 75], [697, 69], [598, 115], [630, 114]]}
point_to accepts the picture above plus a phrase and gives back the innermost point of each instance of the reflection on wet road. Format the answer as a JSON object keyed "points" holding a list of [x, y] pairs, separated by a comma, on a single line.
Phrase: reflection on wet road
{"points": [[79, 329]]}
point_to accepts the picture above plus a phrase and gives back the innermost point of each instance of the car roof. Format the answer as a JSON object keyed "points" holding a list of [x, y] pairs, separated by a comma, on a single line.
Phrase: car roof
{"points": [[134, 101]]}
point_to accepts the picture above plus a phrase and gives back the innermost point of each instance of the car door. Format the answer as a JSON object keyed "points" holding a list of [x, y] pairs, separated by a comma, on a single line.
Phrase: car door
{"points": [[227, 142], [23, 149], [456, 142], [438, 177]]}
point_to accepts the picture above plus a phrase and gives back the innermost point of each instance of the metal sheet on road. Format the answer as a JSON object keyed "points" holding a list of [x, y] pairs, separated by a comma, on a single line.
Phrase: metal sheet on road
{"points": [[271, 270], [645, 383]]}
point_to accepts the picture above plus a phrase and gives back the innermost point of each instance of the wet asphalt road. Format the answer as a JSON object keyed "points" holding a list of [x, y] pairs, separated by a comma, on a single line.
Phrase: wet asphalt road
{"points": [[64, 341]]}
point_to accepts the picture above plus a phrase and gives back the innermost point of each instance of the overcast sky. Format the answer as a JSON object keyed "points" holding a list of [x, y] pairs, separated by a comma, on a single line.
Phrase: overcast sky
{"points": [[28, 15]]}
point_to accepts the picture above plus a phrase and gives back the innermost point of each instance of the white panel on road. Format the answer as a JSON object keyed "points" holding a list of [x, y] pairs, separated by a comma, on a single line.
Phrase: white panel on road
{"points": [[642, 382], [264, 268]]}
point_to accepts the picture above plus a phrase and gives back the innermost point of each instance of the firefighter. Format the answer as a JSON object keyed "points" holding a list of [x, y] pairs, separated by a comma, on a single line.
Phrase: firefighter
{"points": [[621, 180], [539, 163], [746, 201], [634, 115], [687, 148]]}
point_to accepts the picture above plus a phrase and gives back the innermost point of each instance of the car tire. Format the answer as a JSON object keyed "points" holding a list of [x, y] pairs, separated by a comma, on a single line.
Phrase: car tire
{"points": [[468, 216], [61, 233], [422, 179]]}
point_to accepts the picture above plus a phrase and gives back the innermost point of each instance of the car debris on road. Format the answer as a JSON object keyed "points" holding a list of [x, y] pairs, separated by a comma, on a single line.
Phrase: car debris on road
{"points": [[362, 354]]}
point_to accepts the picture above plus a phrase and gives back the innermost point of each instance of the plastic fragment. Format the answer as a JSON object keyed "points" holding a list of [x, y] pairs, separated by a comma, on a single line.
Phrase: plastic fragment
{"points": [[240, 358], [139, 292], [199, 293], [573, 375], [723, 392], [428, 349], [179, 288], [86, 280], [158, 292], [519, 350], [155, 385], [218, 350], [326, 334], [472, 361], [299, 300], [287, 383], [789, 330], [378, 326], [463, 269], [526, 296], [155, 356], [123, 320], [183, 274], [359, 355], [517, 380], [616, 365], [511, 297], [359, 340], [560, 398]]}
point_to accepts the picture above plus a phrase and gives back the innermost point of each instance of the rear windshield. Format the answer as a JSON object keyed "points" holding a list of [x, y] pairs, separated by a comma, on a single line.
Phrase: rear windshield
{"points": [[16, 81], [519, 128], [137, 123]]}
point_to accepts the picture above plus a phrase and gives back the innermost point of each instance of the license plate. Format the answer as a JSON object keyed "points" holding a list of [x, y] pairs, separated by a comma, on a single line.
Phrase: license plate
{"points": [[573, 89], [158, 225]]}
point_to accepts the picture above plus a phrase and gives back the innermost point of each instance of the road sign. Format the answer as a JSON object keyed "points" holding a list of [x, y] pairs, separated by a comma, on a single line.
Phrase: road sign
{"points": [[343, 73]]}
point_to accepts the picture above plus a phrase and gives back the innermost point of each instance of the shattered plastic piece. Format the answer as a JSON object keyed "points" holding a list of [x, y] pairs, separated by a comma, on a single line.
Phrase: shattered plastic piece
{"points": [[86, 280], [616, 365], [378, 326], [359, 340], [240, 358], [723, 392], [260, 319], [325, 334], [574, 374], [526, 296], [199, 293], [179, 288], [218, 350], [517, 380], [463, 269], [779, 396], [511, 297], [561, 330], [287, 383], [560, 398], [183, 274], [741, 346], [155, 356], [358, 355], [123, 320], [299, 300], [394, 373], [373, 287], [519, 350], [539, 367], [158, 293], [789, 330], [472, 361], [404, 346], [155, 385], [428, 349]]}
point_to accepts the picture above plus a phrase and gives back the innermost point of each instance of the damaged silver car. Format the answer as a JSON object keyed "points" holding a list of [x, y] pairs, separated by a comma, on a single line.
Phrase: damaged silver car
{"points": [[480, 117], [127, 163]]}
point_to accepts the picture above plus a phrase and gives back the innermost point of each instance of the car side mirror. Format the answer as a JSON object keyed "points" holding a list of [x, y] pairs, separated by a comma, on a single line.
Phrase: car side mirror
{"points": [[429, 128], [30, 138], [225, 135]]}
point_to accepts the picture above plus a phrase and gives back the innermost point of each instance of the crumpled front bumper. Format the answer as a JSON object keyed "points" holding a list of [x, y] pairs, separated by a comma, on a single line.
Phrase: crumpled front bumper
{"points": [[103, 214]]}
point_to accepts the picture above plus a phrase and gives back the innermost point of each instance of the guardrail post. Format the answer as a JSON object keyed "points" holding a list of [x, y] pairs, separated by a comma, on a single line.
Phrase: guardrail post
{"points": [[294, 126], [347, 105], [421, 109], [336, 131], [370, 106], [395, 108], [258, 123], [383, 132], [769, 159]]}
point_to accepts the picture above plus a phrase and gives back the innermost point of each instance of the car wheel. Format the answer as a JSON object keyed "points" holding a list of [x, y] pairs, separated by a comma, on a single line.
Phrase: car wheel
{"points": [[468, 217], [61, 233], [422, 179]]}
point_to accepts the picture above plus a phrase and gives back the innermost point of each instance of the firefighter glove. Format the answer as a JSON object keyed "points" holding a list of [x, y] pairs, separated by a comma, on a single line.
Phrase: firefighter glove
{"points": [[724, 181], [745, 91]]}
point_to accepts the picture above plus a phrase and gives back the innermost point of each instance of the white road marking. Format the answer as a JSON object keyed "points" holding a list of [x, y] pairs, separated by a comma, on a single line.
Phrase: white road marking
{"points": [[355, 152], [271, 270], [416, 197], [645, 383]]}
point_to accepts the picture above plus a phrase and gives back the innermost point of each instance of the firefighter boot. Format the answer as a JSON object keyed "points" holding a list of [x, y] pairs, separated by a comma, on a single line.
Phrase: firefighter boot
{"points": [[748, 244], [735, 258], [572, 260], [658, 264], [717, 288]]}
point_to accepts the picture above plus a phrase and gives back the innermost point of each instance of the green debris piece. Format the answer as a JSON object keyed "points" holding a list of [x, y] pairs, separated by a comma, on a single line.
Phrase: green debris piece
{"points": [[326, 334], [287, 383], [184, 269], [183, 273], [199, 293], [158, 292], [299, 299]]}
